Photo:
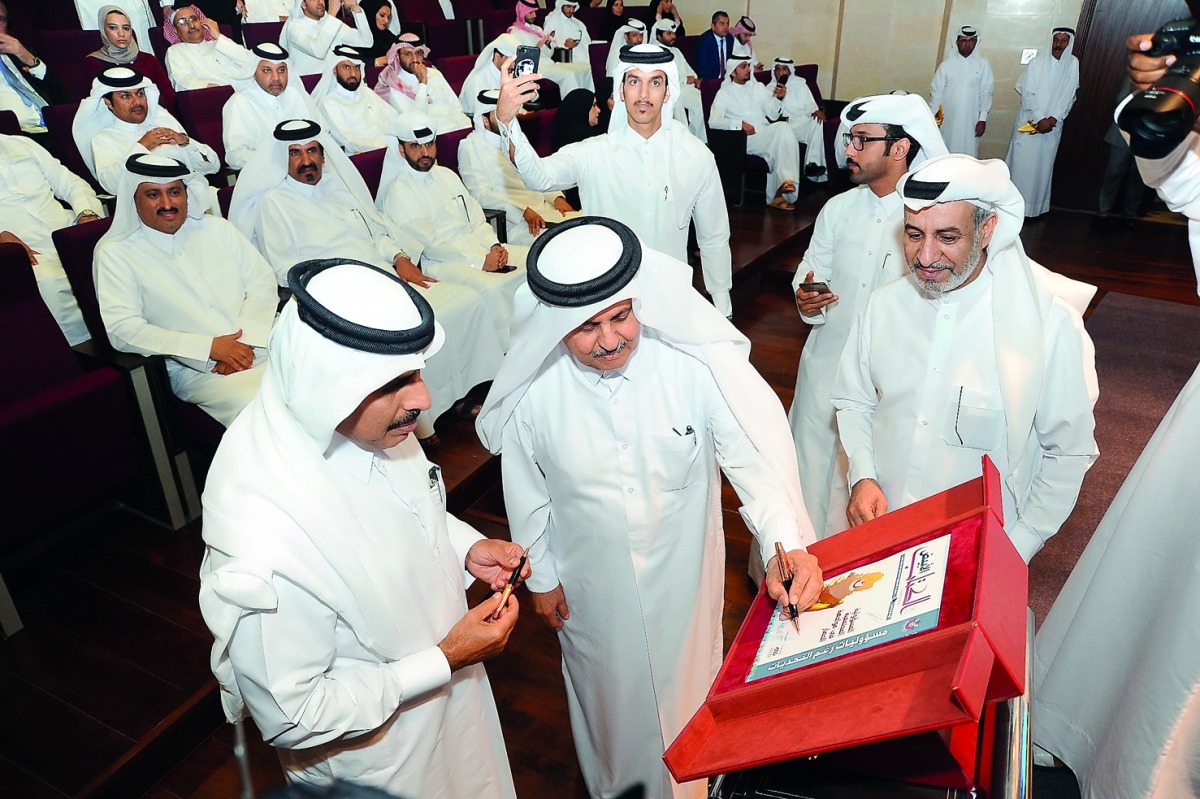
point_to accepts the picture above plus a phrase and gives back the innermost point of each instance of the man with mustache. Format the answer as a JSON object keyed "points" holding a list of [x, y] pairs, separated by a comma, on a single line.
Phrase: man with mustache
{"points": [[121, 117], [260, 102], [357, 118], [979, 351], [622, 393], [313, 30], [855, 248], [174, 281], [199, 56], [333, 577], [410, 84]]}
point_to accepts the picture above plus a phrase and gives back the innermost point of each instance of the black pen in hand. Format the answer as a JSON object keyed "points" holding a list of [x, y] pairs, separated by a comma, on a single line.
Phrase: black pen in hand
{"points": [[785, 576]]}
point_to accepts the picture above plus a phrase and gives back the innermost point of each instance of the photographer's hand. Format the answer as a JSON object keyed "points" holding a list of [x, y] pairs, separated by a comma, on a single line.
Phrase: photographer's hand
{"points": [[1145, 70]]}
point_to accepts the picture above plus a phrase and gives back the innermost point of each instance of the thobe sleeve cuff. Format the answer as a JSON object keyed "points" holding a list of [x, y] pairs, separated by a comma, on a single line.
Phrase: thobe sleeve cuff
{"points": [[1027, 542], [816, 319], [421, 673], [861, 468], [771, 526], [255, 333], [192, 349], [543, 575]]}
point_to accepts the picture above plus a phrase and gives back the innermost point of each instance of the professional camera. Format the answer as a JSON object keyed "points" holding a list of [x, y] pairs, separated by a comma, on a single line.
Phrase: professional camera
{"points": [[1158, 119]]}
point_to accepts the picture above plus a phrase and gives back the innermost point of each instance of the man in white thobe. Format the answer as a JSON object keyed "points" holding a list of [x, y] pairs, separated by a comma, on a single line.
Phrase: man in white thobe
{"points": [[979, 351], [409, 84], [333, 577], [632, 33], [495, 182], [742, 103], [300, 197], [568, 75], [266, 10], [803, 115], [30, 182], [357, 118], [690, 108], [646, 171], [175, 281], [743, 32], [1118, 687], [855, 248], [1047, 88], [310, 34], [486, 73], [201, 57], [962, 91], [260, 102], [568, 33], [122, 117], [430, 204], [626, 485]]}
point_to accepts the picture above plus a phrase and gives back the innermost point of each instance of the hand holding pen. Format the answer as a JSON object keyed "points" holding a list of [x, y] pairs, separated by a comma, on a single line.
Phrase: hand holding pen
{"points": [[793, 579]]}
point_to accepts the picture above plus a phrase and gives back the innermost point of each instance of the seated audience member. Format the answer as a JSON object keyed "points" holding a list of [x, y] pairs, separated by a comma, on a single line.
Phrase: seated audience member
{"points": [[568, 35], [714, 48], [29, 213], [485, 74], [301, 198], [385, 27], [119, 47], [311, 34], [260, 102], [568, 75], [689, 109], [430, 204], [265, 10], [199, 56], [357, 118], [743, 33], [993, 360], [136, 12], [410, 85], [26, 87], [743, 103], [174, 281], [613, 20], [633, 32], [665, 9], [580, 116], [495, 182], [122, 117], [803, 116]]}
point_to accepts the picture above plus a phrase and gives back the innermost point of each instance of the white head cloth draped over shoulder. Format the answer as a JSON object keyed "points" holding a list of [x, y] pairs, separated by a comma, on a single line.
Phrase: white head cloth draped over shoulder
{"points": [[94, 116], [618, 42], [150, 168], [349, 330], [1022, 289], [587, 264], [342, 52], [486, 102], [907, 110], [414, 127], [735, 61], [506, 44], [562, 26], [1052, 80], [664, 24], [394, 75]]}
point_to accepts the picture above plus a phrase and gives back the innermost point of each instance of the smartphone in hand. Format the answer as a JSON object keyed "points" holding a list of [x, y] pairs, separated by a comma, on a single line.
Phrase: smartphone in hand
{"points": [[819, 286], [528, 59]]}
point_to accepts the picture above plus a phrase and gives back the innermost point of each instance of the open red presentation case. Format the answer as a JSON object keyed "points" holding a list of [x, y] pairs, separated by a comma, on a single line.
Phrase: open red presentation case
{"points": [[936, 680]]}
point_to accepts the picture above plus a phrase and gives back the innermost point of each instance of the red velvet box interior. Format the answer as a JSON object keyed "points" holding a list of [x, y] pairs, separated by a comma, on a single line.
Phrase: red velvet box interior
{"points": [[929, 681]]}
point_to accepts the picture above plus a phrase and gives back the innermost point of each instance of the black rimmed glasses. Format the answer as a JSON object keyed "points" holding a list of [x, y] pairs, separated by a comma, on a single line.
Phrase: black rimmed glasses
{"points": [[859, 141]]}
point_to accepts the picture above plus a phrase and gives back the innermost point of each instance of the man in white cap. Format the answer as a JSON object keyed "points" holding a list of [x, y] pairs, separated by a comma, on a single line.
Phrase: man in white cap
{"points": [[122, 117], [617, 500], [855, 248], [568, 33], [1047, 87], [312, 31], [174, 281], [409, 84], [333, 577], [495, 182], [430, 204], [646, 171], [742, 103], [199, 56], [689, 107], [32, 184], [357, 118], [632, 33], [803, 116], [486, 73], [979, 351], [300, 197], [961, 92], [569, 75], [260, 102]]}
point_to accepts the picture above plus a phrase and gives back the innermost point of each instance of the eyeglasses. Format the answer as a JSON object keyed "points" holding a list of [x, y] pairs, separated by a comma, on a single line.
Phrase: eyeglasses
{"points": [[859, 141]]}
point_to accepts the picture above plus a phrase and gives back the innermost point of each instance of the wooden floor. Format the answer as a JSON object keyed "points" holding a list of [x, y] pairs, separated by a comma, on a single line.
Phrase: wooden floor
{"points": [[107, 692]]}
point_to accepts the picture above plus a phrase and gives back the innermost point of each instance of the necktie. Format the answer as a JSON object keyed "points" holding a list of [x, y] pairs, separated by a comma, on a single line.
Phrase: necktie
{"points": [[721, 54], [28, 96]]}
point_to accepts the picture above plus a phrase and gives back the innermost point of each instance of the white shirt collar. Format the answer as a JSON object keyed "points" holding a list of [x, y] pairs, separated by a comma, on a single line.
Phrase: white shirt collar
{"points": [[350, 458]]}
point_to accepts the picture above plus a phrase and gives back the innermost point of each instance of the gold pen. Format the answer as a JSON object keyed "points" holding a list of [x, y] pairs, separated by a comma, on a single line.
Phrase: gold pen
{"points": [[785, 576]]}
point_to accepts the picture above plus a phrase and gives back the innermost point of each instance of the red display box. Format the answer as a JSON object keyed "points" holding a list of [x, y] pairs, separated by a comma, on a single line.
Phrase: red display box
{"points": [[937, 680]]}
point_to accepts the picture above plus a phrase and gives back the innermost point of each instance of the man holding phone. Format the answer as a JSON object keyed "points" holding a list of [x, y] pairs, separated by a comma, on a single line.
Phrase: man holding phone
{"points": [[855, 248], [647, 171]]}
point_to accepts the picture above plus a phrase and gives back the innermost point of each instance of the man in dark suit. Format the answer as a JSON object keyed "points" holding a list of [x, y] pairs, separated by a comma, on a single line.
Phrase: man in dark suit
{"points": [[25, 86], [714, 47]]}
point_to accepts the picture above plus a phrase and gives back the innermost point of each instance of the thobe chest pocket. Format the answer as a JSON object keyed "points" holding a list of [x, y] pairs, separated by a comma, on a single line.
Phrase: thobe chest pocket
{"points": [[974, 419], [672, 459], [437, 487]]}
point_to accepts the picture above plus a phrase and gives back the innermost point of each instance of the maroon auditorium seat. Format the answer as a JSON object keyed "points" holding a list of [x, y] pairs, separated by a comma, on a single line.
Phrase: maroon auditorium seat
{"points": [[258, 32], [370, 166], [62, 144], [455, 69], [539, 129], [200, 115], [310, 82], [9, 125], [447, 147]]}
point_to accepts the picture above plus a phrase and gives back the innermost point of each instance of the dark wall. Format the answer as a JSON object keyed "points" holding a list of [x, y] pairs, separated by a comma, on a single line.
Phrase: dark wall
{"points": [[1103, 27]]}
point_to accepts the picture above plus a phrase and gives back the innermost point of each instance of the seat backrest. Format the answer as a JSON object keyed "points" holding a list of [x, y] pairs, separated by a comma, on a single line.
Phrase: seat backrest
{"points": [[448, 37], [598, 57], [592, 19], [200, 114], [9, 125], [472, 9], [258, 32], [65, 51], [644, 13], [423, 10], [447, 147], [224, 198], [764, 76], [809, 73], [687, 48], [708, 91], [455, 69], [62, 144], [37, 355], [310, 82], [76, 246], [370, 166], [539, 129]]}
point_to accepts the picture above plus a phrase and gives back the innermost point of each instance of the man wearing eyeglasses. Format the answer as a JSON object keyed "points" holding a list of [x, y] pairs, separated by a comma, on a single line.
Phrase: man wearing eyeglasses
{"points": [[855, 248]]}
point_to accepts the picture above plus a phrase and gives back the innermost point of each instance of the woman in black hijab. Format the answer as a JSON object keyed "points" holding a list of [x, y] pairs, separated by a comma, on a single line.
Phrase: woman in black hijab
{"points": [[578, 117], [379, 15], [613, 20]]}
